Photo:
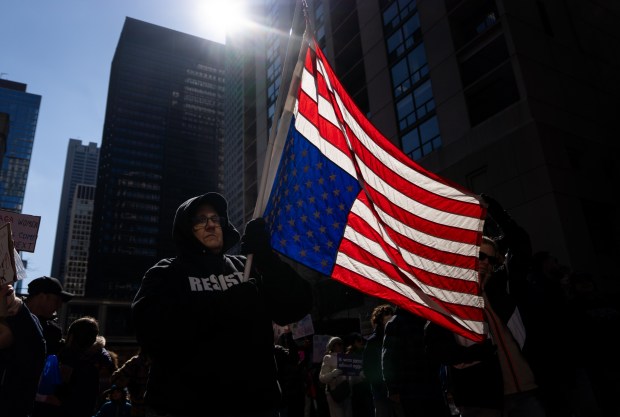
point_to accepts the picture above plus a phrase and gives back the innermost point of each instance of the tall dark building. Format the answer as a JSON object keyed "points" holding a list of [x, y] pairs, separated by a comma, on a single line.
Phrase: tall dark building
{"points": [[162, 143], [80, 168]]}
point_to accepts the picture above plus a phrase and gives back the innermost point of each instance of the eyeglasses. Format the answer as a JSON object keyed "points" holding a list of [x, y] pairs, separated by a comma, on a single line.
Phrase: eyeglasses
{"points": [[492, 259], [200, 222]]}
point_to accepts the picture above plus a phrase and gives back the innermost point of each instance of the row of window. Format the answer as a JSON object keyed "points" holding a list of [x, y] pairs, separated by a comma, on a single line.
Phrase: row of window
{"points": [[411, 85]]}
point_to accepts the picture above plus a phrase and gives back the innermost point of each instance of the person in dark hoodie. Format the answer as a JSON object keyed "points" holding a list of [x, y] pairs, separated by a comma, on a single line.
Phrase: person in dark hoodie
{"points": [[208, 329]]}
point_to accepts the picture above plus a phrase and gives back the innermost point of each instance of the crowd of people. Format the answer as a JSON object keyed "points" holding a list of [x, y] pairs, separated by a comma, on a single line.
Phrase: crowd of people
{"points": [[204, 324]]}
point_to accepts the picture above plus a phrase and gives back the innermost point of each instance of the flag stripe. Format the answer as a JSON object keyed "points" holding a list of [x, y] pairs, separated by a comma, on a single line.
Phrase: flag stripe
{"points": [[410, 276], [420, 256], [350, 271]]}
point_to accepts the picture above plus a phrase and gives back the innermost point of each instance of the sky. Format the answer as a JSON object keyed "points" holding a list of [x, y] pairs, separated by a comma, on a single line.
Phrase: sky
{"points": [[62, 50]]}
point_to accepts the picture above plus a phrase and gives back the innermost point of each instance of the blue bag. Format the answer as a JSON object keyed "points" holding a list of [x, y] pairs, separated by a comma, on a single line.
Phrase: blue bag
{"points": [[50, 377]]}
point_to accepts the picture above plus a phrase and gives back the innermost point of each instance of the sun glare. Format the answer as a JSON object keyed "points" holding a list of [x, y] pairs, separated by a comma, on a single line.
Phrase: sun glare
{"points": [[221, 16]]}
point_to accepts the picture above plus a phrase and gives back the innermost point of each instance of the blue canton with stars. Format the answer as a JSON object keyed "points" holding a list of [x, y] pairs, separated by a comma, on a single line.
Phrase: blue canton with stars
{"points": [[309, 204]]}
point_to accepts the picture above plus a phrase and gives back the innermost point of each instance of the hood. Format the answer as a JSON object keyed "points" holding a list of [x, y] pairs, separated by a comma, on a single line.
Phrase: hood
{"points": [[182, 234], [332, 341]]}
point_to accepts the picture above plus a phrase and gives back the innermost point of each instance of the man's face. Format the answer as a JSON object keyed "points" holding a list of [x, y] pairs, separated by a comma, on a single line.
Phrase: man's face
{"points": [[207, 228]]}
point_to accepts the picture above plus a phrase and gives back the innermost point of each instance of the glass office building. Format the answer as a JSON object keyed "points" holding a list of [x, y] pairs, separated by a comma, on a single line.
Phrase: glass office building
{"points": [[23, 112]]}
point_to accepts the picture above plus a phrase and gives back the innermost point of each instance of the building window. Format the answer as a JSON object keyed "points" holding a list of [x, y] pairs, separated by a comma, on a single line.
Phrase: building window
{"points": [[413, 96], [409, 71], [422, 139]]}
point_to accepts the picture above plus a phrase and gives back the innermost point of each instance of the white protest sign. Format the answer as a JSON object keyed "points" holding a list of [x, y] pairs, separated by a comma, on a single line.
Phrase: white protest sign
{"points": [[25, 229], [303, 327]]}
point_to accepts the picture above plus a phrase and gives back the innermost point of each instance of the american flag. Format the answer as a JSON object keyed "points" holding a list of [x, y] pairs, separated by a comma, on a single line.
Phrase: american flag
{"points": [[341, 199]]}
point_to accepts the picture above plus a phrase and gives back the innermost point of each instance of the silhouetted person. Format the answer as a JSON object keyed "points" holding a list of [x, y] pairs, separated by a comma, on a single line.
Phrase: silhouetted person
{"points": [[208, 330]]}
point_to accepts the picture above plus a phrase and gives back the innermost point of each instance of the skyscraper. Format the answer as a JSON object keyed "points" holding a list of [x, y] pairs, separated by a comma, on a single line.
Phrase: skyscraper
{"points": [[75, 266], [162, 143], [22, 109], [80, 168]]}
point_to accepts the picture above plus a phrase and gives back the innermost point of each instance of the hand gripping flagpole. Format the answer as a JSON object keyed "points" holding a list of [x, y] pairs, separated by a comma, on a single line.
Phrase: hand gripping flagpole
{"points": [[291, 75]]}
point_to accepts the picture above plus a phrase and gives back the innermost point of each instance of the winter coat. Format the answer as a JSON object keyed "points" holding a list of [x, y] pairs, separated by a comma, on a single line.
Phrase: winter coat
{"points": [[327, 375], [209, 334]]}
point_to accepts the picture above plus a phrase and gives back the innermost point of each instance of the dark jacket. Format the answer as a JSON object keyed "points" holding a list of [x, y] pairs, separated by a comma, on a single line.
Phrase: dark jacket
{"points": [[408, 370], [210, 335], [371, 363], [21, 364], [478, 385]]}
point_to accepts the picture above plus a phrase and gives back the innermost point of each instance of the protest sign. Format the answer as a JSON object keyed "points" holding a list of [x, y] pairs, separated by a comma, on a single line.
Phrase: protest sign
{"points": [[351, 364], [25, 229], [303, 327]]}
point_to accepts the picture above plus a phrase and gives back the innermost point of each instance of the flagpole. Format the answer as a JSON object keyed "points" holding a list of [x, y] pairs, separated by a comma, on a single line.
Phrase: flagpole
{"points": [[290, 60], [288, 69]]}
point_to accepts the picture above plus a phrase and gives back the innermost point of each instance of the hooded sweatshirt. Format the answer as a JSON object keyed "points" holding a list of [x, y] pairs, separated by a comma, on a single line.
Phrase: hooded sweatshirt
{"points": [[210, 334]]}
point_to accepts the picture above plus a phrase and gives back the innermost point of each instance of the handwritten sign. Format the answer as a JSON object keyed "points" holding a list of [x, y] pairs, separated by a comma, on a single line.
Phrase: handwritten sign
{"points": [[8, 274], [25, 229]]}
